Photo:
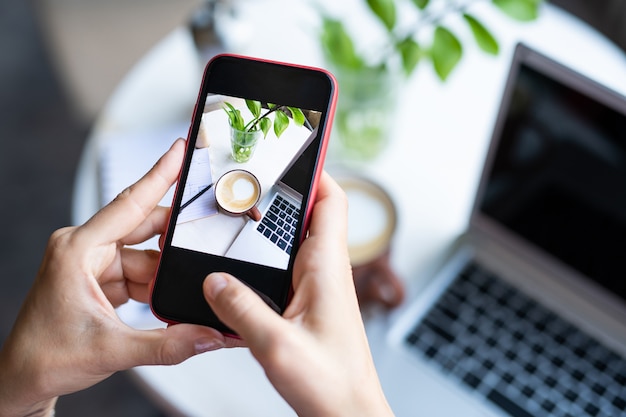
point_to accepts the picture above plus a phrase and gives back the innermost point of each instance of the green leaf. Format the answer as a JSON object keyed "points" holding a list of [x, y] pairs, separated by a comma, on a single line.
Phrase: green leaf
{"points": [[297, 116], [265, 124], [281, 122], [254, 107], [385, 10], [522, 10], [446, 52], [421, 4], [234, 116], [411, 54], [338, 45], [484, 38]]}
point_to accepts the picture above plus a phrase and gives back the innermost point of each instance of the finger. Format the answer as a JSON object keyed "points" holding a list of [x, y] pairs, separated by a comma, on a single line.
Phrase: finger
{"points": [[133, 265], [130, 277], [322, 271], [131, 207], [154, 224], [239, 308], [330, 214], [166, 346], [119, 293], [139, 265], [139, 292], [326, 246]]}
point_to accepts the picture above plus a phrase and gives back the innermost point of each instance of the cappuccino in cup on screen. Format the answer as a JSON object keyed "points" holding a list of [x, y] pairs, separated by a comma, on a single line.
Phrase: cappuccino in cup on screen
{"points": [[237, 191]]}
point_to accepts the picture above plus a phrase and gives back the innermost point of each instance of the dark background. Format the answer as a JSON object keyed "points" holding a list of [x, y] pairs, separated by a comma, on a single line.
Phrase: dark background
{"points": [[41, 142]]}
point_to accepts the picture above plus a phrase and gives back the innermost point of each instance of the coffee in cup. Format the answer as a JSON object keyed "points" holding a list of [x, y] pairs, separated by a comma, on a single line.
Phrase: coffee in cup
{"points": [[237, 192]]}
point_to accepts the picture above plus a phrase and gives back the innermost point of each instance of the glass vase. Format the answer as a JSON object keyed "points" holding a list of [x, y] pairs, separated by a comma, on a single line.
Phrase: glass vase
{"points": [[243, 143], [365, 112]]}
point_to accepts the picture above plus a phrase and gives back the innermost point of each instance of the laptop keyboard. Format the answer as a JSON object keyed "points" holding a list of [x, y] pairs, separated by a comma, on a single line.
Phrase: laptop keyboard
{"points": [[517, 354], [279, 223]]}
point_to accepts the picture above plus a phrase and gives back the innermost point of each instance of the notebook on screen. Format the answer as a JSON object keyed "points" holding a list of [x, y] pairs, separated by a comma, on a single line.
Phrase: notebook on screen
{"points": [[527, 316]]}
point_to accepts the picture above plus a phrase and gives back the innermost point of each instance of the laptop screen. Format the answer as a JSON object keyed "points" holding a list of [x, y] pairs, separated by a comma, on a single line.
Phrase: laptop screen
{"points": [[557, 178]]}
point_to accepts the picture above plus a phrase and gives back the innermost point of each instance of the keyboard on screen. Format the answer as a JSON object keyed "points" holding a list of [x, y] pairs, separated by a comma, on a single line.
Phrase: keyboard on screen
{"points": [[279, 223]]}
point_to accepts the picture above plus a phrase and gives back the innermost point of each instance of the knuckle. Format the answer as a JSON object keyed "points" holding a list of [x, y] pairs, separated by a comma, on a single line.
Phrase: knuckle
{"points": [[60, 239], [278, 350], [171, 352], [235, 300]]}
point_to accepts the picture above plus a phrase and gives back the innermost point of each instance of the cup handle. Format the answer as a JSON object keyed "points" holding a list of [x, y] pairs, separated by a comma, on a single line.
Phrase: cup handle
{"points": [[254, 214], [377, 282]]}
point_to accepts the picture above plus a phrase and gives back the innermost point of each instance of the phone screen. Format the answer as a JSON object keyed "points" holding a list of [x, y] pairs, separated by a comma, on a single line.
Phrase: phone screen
{"points": [[254, 152]]}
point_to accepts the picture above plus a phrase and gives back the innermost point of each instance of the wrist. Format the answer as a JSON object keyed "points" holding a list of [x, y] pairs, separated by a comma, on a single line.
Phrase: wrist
{"points": [[375, 405], [41, 409], [19, 393], [361, 400]]}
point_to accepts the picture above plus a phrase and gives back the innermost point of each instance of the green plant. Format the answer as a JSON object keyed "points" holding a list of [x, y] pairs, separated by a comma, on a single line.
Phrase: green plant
{"points": [[260, 120], [402, 44]]}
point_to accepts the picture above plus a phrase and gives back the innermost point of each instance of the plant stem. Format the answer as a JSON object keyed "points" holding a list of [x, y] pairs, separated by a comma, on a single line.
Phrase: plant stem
{"points": [[252, 123]]}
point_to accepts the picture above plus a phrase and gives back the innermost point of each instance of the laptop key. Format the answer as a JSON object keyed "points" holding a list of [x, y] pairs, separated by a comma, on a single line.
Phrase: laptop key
{"points": [[471, 380], [619, 403], [507, 405], [440, 331], [592, 410]]}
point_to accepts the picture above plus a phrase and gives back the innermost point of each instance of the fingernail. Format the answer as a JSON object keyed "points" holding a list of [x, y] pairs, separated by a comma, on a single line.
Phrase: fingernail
{"points": [[208, 344], [215, 284]]}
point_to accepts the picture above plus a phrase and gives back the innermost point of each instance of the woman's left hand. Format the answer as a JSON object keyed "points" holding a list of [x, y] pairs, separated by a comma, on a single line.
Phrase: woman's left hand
{"points": [[67, 336]]}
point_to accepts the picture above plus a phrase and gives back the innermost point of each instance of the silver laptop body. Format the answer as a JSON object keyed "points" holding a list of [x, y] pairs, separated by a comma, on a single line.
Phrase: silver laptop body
{"points": [[527, 317]]}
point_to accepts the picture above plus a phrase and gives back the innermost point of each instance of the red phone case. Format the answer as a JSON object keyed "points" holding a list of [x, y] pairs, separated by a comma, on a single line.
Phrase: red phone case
{"points": [[324, 139]]}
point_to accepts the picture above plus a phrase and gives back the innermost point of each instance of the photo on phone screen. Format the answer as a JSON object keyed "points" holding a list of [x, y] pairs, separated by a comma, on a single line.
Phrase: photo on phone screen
{"points": [[247, 210], [254, 154]]}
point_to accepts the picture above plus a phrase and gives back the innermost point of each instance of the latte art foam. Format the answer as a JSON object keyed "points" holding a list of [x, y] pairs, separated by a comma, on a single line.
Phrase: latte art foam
{"points": [[237, 191], [243, 189]]}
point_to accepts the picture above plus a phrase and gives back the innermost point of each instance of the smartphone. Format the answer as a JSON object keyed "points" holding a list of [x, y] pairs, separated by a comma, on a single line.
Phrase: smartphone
{"points": [[255, 152]]}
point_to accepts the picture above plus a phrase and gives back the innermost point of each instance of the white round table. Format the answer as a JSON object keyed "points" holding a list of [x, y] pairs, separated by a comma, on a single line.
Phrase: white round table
{"points": [[437, 157]]}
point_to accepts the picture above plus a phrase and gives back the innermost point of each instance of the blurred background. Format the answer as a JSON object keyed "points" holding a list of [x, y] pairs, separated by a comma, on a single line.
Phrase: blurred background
{"points": [[60, 61]]}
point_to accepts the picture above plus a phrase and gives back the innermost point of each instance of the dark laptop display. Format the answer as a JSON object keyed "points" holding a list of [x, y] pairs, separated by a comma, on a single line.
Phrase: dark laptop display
{"points": [[558, 177]]}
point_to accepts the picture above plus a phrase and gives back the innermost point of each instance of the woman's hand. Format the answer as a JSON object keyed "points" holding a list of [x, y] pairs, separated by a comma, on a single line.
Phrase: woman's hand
{"points": [[67, 336], [316, 355]]}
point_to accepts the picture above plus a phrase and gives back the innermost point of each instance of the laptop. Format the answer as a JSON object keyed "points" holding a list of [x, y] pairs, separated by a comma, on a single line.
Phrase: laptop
{"points": [[527, 316], [270, 241]]}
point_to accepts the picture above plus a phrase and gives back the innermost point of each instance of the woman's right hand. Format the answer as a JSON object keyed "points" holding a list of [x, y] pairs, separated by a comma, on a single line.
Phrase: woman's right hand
{"points": [[316, 355]]}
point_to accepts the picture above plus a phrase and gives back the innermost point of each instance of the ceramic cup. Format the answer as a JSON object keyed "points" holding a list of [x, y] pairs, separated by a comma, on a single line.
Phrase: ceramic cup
{"points": [[372, 222], [237, 192]]}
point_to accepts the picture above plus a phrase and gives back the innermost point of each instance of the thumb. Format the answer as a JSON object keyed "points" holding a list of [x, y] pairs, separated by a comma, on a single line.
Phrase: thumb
{"points": [[241, 309], [172, 345]]}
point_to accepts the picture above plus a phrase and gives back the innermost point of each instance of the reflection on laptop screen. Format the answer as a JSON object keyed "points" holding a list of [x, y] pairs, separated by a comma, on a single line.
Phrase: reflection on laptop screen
{"points": [[558, 178]]}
